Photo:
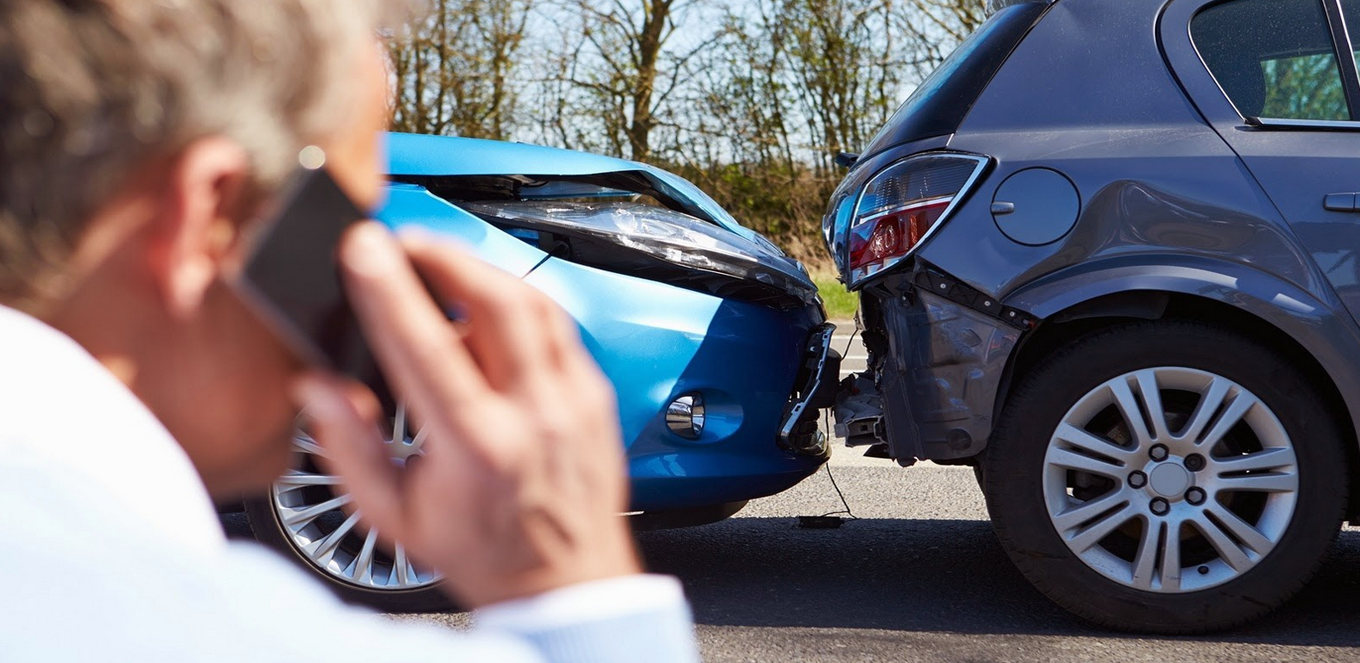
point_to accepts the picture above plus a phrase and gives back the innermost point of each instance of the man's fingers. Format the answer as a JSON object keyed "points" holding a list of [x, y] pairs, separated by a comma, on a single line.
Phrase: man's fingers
{"points": [[514, 323], [354, 447], [506, 317], [419, 352]]}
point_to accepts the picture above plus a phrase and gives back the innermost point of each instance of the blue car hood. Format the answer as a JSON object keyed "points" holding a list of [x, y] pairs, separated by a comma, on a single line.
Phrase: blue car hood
{"points": [[433, 156], [414, 154]]}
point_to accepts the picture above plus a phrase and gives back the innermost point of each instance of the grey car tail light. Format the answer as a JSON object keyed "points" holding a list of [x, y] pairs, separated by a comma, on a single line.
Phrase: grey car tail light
{"points": [[903, 205]]}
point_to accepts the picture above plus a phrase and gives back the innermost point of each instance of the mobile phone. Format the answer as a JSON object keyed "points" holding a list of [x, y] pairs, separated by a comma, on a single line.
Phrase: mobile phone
{"points": [[291, 278]]}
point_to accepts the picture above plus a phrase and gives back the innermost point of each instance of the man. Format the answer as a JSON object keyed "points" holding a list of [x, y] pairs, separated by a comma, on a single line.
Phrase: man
{"points": [[138, 141]]}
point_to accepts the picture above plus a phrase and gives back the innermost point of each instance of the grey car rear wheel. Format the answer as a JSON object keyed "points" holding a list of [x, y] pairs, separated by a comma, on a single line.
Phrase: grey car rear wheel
{"points": [[1166, 477]]}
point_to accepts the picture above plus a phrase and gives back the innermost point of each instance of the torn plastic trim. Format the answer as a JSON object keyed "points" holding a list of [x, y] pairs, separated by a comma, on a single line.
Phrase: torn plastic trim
{"points": [[858, 412], [816, 390], [930, 280]]}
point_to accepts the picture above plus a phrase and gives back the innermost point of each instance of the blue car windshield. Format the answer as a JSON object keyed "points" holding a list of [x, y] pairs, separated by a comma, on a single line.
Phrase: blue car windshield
{"points": [[943, 99]]}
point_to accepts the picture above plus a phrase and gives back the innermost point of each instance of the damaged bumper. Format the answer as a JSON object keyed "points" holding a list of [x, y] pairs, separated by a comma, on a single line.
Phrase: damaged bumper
{"points": [[938, 352], [816, 391]]}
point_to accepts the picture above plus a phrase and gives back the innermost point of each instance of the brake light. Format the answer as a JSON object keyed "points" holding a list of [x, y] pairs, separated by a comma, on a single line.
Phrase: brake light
{"points": [[903, 205]]}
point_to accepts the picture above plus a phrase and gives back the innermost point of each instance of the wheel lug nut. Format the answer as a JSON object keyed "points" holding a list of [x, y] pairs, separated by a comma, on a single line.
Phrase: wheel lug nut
{"points": [[1159, 452], [1137, 480], [1159, 506], [1194, 462], [1195, 496]]}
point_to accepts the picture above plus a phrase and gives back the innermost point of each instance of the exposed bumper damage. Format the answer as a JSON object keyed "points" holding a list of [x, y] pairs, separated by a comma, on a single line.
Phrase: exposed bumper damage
{"points": [[816, 390], [937, 354]]}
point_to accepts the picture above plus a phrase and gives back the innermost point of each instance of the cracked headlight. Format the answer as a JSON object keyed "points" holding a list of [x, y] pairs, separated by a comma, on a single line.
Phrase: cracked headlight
{"points": [[651, 241]]}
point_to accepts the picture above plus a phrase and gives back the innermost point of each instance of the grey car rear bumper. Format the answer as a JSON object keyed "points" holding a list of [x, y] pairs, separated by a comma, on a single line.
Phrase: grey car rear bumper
{"points": [[938, 353]]}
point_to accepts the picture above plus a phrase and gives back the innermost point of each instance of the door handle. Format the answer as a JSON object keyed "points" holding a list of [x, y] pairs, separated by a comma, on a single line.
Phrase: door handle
{"points": [[1342, 202]]}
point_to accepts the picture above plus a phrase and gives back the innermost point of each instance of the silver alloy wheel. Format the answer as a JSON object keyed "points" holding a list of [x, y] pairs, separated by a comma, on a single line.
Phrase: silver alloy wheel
{"points": [[1170, 479], [310, 510]]}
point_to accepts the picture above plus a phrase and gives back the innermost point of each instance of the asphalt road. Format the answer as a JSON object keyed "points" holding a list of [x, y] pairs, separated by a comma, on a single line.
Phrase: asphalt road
{"points": [[918, 576]]}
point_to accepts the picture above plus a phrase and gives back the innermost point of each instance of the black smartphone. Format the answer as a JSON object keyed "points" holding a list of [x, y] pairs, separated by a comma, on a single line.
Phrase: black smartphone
{"points": [[291, 275]]}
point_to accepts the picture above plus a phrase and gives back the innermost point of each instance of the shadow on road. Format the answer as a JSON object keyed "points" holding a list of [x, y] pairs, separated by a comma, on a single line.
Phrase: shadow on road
{"points": [[929, 575]]}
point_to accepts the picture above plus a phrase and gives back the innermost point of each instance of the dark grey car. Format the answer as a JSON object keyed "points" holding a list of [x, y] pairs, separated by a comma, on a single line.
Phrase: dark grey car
{"points": [[1109, 254]]}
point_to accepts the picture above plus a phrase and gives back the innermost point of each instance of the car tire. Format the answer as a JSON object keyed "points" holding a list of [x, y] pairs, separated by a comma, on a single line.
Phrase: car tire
{"points": [[307, 516], [1044, 511], [264, 523]]}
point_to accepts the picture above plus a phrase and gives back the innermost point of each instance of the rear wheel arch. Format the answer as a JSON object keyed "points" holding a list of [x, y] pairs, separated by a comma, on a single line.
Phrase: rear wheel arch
{"points": [[1101, 312]]}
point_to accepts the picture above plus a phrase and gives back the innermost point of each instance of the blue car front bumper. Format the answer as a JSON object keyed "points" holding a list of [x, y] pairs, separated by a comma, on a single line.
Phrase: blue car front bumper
{"points": [[658, 342]]}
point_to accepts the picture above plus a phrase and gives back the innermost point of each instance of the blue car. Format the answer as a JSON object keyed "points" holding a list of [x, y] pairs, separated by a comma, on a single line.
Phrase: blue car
{"points": [[716, 342]]}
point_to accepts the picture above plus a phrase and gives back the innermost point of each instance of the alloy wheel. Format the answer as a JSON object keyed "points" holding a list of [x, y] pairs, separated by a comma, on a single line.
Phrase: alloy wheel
{"points": [[1170, 479], [318, 521]]}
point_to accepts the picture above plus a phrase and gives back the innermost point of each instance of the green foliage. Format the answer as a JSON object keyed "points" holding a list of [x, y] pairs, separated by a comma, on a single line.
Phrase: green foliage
{"points": [[782, 203], [841, 304], [1307, 87]]}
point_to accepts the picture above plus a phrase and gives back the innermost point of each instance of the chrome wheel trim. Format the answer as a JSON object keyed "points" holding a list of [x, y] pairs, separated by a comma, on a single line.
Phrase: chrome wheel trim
{"points": [[1246, 500], [311, 511]]}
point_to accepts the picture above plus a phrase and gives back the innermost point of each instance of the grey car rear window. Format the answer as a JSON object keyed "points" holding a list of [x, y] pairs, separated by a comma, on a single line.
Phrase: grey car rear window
{"points": [[1273, 58]]}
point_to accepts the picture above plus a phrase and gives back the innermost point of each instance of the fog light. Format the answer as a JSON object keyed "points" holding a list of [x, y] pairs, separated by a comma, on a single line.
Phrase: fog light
{"points": [[685, 416]]}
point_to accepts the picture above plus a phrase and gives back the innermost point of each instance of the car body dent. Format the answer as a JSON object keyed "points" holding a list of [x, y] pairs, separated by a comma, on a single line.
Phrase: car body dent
{"points": [[1318, 325], [435, 156], [1149, 170], [946, 360], [654, 341], [658, 342]]}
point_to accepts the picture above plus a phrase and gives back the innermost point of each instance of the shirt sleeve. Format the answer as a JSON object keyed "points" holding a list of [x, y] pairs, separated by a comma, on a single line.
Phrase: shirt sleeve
{"points": [[625, 619], [631, 619]]}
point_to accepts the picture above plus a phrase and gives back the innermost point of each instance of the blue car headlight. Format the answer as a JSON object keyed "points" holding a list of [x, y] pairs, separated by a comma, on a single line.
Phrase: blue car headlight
{"points": [[654, 242]]}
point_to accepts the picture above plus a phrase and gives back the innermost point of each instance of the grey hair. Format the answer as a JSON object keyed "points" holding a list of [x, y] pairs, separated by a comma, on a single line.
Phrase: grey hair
{"points": [[92, 89]]}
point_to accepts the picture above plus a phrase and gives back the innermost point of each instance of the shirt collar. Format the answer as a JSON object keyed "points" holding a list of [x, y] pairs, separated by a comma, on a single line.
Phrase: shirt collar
{"points": [[63, 411]]}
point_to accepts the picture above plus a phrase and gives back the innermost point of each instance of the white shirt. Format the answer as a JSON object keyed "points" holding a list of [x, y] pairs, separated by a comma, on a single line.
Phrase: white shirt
{"points": [[110, 550]]}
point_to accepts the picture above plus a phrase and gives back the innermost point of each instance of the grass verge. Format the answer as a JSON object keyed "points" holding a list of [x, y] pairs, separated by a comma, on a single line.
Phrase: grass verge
{"points": [[840, 303]]}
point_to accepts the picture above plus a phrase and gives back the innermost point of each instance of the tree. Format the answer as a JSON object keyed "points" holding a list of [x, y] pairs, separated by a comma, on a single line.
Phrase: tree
{"points": [[844, 59], [936, 27], [455, 71], [626, 69]]}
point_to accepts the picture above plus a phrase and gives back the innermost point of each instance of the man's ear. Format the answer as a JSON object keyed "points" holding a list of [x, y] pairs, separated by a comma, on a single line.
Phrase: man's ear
{"points": [[195, 225]]}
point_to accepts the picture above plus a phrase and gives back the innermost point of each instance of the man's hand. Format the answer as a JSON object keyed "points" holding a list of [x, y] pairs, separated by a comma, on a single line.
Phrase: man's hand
{"points": [[523, 478]]}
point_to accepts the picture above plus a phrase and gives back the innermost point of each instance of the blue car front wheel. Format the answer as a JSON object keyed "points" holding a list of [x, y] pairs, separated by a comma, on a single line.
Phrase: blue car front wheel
{"points": [[307, 517]]}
